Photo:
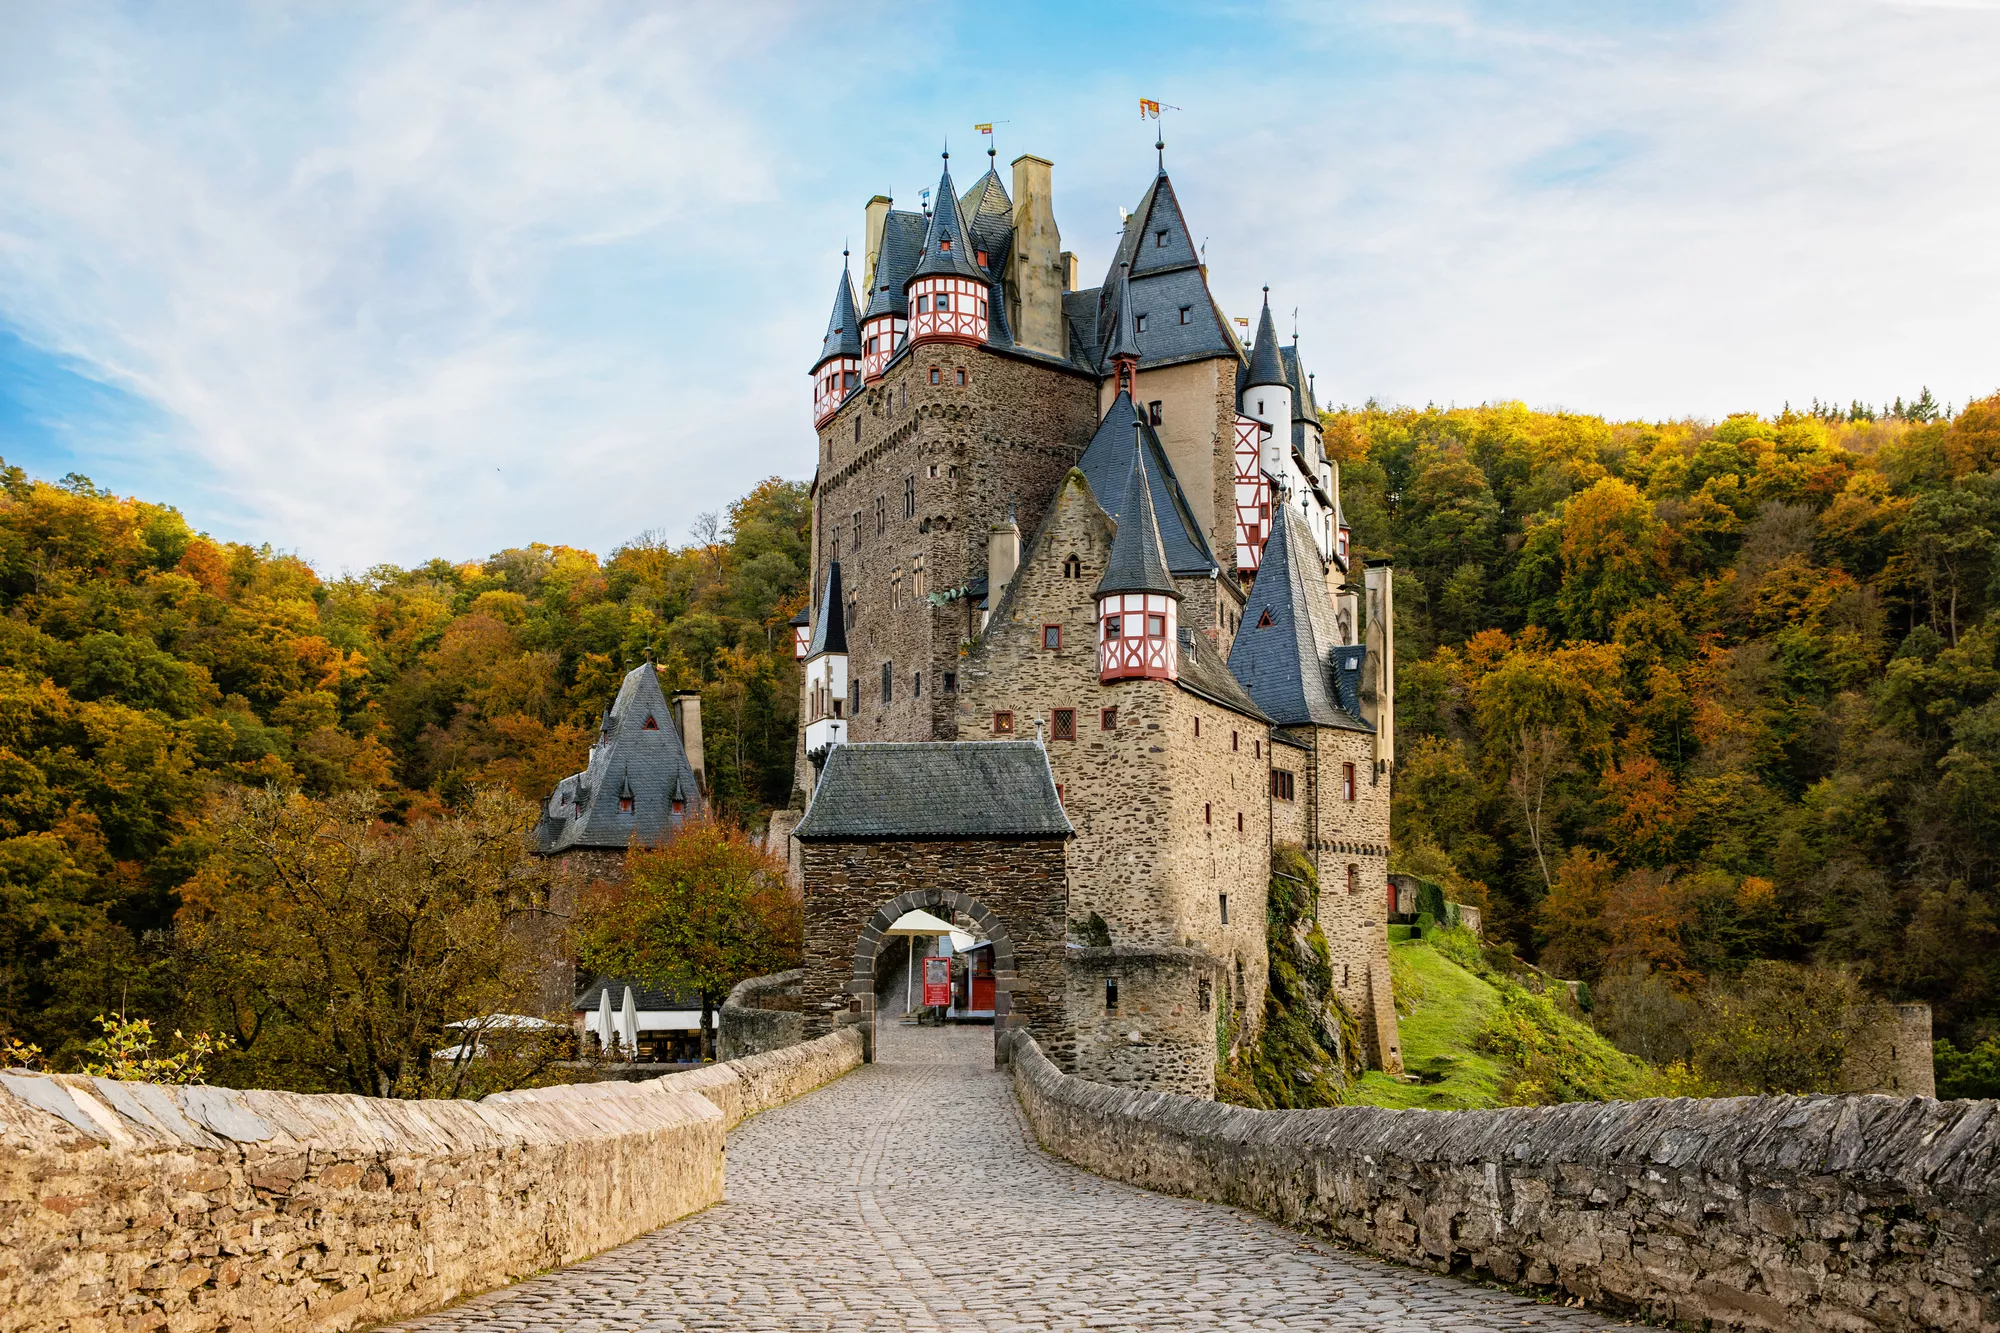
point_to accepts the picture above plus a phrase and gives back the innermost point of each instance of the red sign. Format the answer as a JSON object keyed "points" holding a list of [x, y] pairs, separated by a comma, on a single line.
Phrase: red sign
{"points": [[937, 981]]}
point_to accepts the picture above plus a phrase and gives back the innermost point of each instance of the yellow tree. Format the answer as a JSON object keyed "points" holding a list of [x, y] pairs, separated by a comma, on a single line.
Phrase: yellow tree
{"points": [[1610, 556]]}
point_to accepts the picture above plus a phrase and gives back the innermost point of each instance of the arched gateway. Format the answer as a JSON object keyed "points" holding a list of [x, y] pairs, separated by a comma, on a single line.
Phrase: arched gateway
{"points": [[970, 831]]}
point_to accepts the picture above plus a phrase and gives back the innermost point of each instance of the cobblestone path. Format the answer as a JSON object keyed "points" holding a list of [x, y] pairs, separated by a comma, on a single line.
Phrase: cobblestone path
{"points": [[910, 1195]]}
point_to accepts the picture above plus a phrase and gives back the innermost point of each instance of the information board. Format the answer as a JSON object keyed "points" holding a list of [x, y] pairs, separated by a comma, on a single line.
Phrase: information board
{"points": [[937, 981]]}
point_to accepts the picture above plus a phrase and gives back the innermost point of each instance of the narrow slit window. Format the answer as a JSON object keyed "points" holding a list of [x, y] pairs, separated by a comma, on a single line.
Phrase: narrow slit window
{"points": [[1222, 903]]}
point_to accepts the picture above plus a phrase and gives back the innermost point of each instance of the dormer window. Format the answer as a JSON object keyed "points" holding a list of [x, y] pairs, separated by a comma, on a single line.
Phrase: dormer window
{"points": [[679, 806], [1264, 621], [944, 245], [981, 256], [651, 724], [1187, 314], [1159, 240], [1141, 323], [625, 804]]}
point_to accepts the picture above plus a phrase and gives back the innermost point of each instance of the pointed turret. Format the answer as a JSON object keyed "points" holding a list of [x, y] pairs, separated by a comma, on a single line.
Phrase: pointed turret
{"points": [[1107, 465], [1138, 608], [837, 373], [1121, 354], [826, 670], [1266, 367], [948, 290]]}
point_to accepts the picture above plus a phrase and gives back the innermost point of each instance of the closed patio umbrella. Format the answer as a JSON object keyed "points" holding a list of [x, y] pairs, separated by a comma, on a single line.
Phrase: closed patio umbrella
{"points": [[604, 1037], [628, 1025]]}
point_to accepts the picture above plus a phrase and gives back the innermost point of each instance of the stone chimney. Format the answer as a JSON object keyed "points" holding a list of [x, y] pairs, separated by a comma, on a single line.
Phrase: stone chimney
{"points": [[1037, 271], [687, 720], [1068, 262], [878, 221], [1378, 696], [1003, 557]]}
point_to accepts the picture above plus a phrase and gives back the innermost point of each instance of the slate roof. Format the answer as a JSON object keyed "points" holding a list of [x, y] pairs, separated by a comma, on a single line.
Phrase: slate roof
{"points": [[1137, 563], [631, 758], [1287, 665], [934, 790], [1165, 279], [947, 224], [1265, 365], [1107, 465], [1080, 311], [1124, 339], [644, 997], [830, 626], [1203, 672], [989, 219], [1305, 412], [843, 327], [902, 241]]}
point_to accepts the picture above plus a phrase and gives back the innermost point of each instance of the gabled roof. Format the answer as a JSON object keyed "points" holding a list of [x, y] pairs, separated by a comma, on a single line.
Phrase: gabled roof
{"points": [[1265, 365], [638, 752], [1137, 563], [935, 790], [830, 626], [643, 997], [947, 224], [902, 241], [843, 328], [1283, 652], [1107, 466]]}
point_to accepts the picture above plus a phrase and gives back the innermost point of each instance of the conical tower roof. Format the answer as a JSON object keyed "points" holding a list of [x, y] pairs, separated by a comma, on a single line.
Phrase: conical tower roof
{"points": [[1266, 366], [830, 626], [947, 249], [902, 242], [843, 328], [1107, 465], [1124, 332], [638, 763], [1138, 561], [1283, 654]]}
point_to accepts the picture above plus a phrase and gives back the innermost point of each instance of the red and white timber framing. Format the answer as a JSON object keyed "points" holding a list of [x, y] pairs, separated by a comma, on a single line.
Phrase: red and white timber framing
{"points": [[836, 377], [880, 337], [948, 309], [1253, 495], [1138, 636]]}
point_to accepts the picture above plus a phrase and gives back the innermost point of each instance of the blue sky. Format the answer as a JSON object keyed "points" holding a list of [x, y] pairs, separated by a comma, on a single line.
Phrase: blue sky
{"points": [[384, 282]]}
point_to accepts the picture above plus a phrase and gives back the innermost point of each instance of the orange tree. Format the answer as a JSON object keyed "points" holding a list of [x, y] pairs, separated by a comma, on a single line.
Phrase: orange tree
{"points": [[700, 913]]}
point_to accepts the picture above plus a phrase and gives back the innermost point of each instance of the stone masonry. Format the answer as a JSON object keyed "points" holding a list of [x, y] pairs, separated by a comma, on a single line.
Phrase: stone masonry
{"points": [[1146, 1017], [1795, 1213], [134, 1206]]}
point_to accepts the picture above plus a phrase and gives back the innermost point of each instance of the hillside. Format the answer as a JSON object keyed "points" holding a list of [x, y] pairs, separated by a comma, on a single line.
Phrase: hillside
{"points": [[1475, 1040]]}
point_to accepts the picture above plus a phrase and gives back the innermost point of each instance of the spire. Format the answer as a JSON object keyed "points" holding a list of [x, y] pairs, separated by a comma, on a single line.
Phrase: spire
{"points": [[1283, 654], [947, 249], [1138, 561], [1123, 352], [830, 626], [1265, 365], [843, 327]]}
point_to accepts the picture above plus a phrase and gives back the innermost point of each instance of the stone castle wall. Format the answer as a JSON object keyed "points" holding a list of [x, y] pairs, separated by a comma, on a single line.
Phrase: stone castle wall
{"points": [[1889, 1050], [1005, 437], [1796, 1213], [1162, 1032], [1353, 910], [134, 1206]]}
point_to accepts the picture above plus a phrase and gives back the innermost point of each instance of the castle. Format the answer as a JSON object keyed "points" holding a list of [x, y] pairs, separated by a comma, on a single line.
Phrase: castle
{"points": [[1084, 638]]}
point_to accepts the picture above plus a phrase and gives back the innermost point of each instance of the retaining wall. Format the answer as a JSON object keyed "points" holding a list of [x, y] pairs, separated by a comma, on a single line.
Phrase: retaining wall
{"points": [[1844, 1213], [131, 1206], [761, 1014]]}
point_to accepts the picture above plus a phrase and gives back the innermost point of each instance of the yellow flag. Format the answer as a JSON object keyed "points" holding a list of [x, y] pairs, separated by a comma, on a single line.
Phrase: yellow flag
{"points": [[984, 129], [1148, 108]]}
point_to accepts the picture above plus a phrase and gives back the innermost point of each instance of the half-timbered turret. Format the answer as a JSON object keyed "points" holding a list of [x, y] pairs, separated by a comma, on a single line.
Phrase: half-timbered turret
{"points": [[837, 373], [826, 670], [949, 295], [1138, 608]]}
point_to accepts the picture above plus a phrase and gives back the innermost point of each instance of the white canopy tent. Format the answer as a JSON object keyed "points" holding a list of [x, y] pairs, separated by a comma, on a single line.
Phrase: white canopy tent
{"points": [[920, 924]]}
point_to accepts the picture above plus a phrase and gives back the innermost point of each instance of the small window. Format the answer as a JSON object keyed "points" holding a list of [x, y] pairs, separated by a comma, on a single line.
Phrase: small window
{"points": [[1197, 726], [961, 377], [1187, 314], [1239, 821], [980, 255], [982, 310], [1111, 995], [875, 344], [1204, 994], [679, 807], [944, 244], [1003, 724], [1140, 321], [857, 430], [1062, 724], [1156, 627], [1343, 974], [943, 301], [1072, 567], [1222, 904], [951, 682], [1264, 621], [1107, 719], [1353, 880], [1159, 240], [910, 496], [933, 472], [935, 378], [1112, 626], [1051, 637], [1257, 749], [1153, 412], [625, 804], [923, 305], [1207, 813], [888, 682], [650, 724], [1282, 784], [1060, 799], [1347, 782], [1235, 740], [917, 685]]}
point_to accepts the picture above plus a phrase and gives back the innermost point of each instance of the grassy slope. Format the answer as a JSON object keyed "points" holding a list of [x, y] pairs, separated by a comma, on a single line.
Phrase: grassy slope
{"points": [[1439, 1036]]}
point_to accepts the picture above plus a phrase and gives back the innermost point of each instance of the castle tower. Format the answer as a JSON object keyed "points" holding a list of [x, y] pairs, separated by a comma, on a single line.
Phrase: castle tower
{"points": [[837, 373], [826, 672], [1138, 607], [949, 295], [1266, 396]]}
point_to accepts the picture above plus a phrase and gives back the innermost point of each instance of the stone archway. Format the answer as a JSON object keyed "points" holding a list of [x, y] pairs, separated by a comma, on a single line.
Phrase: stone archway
{"points": [[947, 903]]}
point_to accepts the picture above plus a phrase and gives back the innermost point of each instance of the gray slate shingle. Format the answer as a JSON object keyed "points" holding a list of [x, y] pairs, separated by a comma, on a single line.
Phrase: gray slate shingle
{"points": [[1287, 665], [647, 761], [935, 790]]}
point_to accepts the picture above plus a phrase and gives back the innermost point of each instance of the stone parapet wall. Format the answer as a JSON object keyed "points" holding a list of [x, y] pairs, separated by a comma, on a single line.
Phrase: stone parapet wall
{"points": [[134, 1206], [1848, 1213], [761, 1014]]}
